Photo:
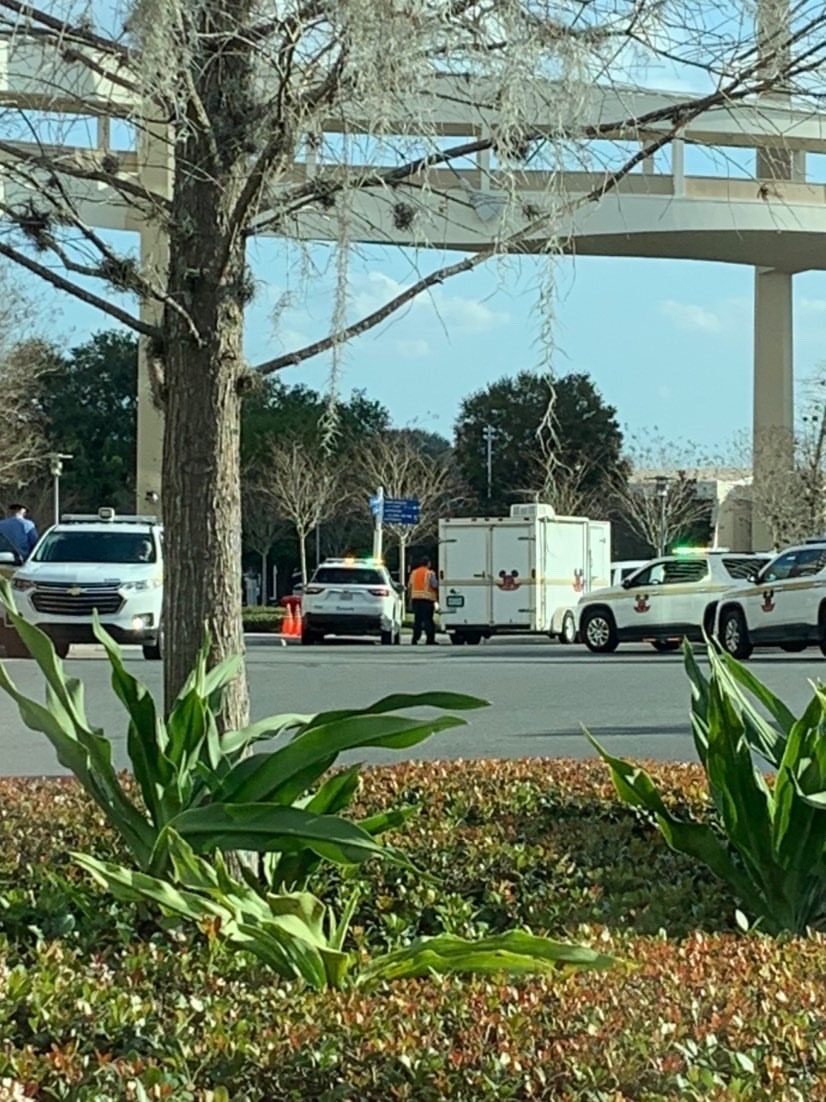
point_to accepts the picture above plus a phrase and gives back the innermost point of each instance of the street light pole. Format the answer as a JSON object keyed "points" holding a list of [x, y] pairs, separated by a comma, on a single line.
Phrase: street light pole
{"points": [[56, 468], [661, 489], [487, 436]]}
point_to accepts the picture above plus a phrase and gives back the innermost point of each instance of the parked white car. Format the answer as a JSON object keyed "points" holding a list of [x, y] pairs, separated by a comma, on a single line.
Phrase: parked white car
{"points": [[104, 562], [352, 597], [667, 600], [784, 607]]}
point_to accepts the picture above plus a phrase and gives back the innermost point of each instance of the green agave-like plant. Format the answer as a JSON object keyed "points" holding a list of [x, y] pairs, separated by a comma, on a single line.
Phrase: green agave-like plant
{"points": [[298, 936], [204, 793], [207, 787], [769, 841]]}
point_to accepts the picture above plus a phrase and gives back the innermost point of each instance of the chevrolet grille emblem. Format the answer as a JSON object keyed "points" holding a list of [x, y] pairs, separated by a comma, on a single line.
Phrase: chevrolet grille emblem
{"points": [[74, 590]]}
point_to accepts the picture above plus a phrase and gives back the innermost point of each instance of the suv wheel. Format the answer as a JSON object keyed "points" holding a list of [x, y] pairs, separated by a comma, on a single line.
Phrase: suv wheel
{"points": [[12, 644], [734, 636], [153, 652], [666, 646], [599, 632]]}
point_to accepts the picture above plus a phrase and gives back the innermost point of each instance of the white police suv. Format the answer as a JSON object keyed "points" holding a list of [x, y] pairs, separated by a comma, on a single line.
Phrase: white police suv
{"points": [[663, 602], [352, 597], [104, 562], [785, 606]]}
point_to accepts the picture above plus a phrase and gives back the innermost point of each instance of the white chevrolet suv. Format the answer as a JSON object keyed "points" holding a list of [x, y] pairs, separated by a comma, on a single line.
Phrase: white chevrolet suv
{"points": [[785, 606], [667, 600], [102, 561], [352, 597]]}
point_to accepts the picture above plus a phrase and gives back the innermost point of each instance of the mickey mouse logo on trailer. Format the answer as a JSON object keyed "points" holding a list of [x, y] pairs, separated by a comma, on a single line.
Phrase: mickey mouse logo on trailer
{"points": [[508, 581], [579, 581]]}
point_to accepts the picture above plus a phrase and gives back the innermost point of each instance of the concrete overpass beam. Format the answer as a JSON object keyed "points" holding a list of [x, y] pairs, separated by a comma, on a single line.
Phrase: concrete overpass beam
{"points": [[773, 436]]}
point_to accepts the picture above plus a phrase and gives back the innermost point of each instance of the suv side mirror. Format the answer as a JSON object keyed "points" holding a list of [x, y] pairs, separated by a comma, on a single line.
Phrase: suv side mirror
{"points": [[9, 557]]}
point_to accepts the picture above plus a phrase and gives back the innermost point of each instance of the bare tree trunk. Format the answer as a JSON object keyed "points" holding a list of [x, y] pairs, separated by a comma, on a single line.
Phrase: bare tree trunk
{"points": [[302, 550], [204, 368], [264, 578], [202, 507]]}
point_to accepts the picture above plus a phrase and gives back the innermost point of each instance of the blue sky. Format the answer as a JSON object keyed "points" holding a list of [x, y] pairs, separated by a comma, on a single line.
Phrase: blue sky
{"points": [[668, 343]]}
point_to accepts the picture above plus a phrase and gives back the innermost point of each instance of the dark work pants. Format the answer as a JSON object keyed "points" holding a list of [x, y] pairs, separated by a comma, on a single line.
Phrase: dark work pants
{"points": [[423, 620]]}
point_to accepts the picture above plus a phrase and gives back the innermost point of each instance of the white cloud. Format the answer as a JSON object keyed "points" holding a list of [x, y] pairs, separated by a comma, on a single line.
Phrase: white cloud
{"points": [[812, 307], [688, 315], [415, 349], [453, 311]]}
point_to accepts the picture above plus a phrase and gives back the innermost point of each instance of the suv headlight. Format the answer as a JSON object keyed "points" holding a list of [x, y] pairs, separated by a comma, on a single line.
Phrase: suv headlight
{"points": [[144, 583], [21, 583]]}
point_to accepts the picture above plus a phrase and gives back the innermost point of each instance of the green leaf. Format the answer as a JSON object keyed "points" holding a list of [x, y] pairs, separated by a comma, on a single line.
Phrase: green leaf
{"points": [[636, 788], [403, 702], [146, 738], [264, 828], [282, 940], [88, 755], [312, 751], [235, 741], [516, 952], [762, 737]]}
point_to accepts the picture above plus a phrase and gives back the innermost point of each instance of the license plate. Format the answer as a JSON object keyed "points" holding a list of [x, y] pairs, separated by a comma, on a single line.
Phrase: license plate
{"points": [[345, 596], [455, 600]]}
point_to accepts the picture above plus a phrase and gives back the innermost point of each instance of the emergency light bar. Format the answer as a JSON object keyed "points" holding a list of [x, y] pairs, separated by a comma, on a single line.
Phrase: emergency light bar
{"points": [[107, 514]]}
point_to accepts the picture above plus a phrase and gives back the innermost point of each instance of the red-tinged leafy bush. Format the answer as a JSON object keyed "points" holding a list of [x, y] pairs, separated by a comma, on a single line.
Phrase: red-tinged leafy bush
{"points": [[100, 1000]]}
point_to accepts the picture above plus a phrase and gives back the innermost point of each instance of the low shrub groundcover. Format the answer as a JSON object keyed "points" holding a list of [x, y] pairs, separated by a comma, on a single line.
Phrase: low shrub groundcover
{"points": [[102, 999]]}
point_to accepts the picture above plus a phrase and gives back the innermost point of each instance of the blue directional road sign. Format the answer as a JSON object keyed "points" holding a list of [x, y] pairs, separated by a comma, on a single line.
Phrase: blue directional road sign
{"points": [[401, 510], [376, 504]]}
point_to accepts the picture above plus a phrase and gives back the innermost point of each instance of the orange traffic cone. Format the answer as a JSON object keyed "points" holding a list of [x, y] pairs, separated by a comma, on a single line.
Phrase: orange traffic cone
{"points": [[297, 625], [287, 623]]}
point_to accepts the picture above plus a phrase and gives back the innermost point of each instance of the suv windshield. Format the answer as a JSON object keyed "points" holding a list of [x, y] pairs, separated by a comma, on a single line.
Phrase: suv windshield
{"points": [[344, 575], [120, 547]]}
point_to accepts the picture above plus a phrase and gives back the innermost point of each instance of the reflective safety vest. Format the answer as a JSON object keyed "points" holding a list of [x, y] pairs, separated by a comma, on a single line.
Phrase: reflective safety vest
{"points": [[423, 584]]}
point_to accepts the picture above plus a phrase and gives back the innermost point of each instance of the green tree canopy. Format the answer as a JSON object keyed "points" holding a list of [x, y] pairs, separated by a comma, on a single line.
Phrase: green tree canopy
{"points": [[89, 404], [276, 411], [557, 439]]}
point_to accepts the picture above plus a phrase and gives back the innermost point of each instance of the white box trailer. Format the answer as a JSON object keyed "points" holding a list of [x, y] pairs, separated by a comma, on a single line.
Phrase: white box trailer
{"points": [[521, 573]]}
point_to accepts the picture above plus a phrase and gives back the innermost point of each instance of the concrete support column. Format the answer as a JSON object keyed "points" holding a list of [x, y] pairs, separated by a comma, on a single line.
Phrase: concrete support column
{"points": [[773, 439], [155, 172]]}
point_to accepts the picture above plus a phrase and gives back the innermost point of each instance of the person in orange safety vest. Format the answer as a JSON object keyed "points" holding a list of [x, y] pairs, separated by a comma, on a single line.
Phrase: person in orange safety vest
{"points": [[424, 592]]}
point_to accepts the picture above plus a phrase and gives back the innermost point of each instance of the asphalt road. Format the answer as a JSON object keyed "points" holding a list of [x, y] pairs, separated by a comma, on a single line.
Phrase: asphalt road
{"points": [[540, 695]]}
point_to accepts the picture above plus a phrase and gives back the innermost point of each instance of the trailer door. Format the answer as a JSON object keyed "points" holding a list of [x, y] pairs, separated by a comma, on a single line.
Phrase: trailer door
{"points": [[513, 560], [464, 575]]}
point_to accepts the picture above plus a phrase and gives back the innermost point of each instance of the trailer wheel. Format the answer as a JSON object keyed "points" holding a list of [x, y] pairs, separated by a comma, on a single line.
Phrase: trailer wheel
{"points": [[457, 638], [568, 633]]}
